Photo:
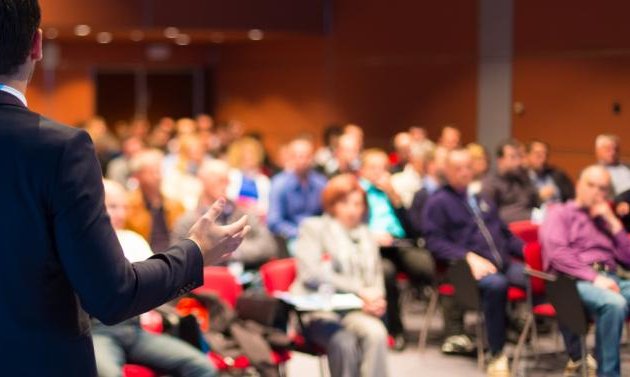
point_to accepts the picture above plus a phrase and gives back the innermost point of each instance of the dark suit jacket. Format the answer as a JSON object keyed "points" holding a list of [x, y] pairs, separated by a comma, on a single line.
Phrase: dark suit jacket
{"points": [[59, 254]]}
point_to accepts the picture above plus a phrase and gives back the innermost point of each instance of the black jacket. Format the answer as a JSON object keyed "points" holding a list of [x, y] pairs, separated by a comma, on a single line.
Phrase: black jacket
{"points": [[59, 254]]}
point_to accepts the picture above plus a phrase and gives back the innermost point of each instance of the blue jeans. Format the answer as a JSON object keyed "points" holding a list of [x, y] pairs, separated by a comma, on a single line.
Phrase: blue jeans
{"points": [[128, 343], [494, 302], [610, 310]]}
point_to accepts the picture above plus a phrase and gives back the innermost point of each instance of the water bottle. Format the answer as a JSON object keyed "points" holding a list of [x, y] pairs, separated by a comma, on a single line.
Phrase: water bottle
{"points": [[326, 289]]}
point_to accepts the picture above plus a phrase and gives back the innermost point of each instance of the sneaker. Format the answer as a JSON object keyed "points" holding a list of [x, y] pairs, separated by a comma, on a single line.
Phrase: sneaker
{"points": [[458, 345], [573, 368], [498, 366]]}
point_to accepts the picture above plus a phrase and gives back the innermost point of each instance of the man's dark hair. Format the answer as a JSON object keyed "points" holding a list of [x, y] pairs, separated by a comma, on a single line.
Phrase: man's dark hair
{"points": [[500, 152], [531, 144], [330, 132], [19, 21]]}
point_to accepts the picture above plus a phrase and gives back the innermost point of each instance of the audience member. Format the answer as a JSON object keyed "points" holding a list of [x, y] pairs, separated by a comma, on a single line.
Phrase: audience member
{"points": [[127, 342], [118, 169], [106, 145], [450, 138], [355, 131], [345, 158], [608, 154], [402, 145], [553, 184], [462, 226], [296, 192], [419, 136], [386, 220], [151, 214], [249, 187], [326, 152], [180, 171], [584, 239], [510, 188], [258, 246], [161, 134], [456, 341], [480, 166], [407, 182], [355, 341]]}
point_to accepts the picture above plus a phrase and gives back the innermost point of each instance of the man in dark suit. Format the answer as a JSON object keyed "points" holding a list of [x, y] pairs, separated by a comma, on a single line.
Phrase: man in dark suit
{"points": [[59, 254]]}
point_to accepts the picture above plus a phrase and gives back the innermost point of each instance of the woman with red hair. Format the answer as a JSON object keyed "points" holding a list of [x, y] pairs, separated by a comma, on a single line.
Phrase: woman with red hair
{"points": [[355, 341]]}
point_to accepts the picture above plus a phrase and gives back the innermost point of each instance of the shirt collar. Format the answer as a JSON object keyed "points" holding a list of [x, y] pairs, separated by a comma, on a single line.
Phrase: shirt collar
{"points": [[14, 92]]}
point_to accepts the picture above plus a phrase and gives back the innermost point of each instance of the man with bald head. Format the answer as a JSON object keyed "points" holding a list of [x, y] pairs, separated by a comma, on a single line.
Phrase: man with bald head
{"points": [[584, 239], [460, 225], [258, 246]]}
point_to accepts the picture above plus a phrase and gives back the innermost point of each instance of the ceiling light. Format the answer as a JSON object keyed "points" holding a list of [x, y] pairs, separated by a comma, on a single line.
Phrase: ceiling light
{"points": [[182, 40], [51, 33], [104, 37], [255, 34], [171, 32], [136, 35], [82, 30]]}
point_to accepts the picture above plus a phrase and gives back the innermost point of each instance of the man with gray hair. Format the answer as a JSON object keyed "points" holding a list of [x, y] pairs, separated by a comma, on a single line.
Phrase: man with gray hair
{"points": [[584, 239], [258, 246], [608, 154]]}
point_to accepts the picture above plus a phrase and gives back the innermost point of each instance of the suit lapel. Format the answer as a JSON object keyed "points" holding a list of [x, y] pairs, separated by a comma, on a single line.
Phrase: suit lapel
{"points": [[9, 99]]}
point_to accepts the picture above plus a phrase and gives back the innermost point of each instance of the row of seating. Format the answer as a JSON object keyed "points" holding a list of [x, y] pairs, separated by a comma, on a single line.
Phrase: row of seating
{"points": [[278, 275]]}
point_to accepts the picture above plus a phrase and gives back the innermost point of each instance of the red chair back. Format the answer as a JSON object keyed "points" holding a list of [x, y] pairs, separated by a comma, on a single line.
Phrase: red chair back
{"points": [[525, 230], [278, 275], [220, 281]]}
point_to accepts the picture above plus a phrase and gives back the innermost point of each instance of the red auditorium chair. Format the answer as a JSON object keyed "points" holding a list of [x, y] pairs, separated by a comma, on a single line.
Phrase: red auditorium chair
{"points": [[220, 281], [277, 276]]}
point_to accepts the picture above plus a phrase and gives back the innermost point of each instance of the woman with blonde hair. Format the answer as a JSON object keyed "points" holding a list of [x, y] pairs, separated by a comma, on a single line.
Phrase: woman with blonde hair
{"points": [[249, 187]]}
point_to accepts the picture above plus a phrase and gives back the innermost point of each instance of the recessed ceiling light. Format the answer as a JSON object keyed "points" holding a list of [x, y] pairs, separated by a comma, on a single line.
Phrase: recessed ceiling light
{"points": [[51, 33], [136, 35], [82, 30], [182, 40], [255, 34], [104, 37], [171, 32]]}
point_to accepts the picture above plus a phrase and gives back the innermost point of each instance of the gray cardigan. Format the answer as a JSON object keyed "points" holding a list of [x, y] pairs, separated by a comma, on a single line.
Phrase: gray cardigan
{"points": [[354, 254]]}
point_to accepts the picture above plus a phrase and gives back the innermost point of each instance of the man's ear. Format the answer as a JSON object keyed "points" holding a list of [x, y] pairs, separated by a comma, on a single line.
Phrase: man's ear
{"points": [[37, 53]]}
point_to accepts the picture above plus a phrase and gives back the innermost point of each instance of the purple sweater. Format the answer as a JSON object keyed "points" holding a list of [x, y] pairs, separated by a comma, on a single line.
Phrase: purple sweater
{"points": [[572, 241]]}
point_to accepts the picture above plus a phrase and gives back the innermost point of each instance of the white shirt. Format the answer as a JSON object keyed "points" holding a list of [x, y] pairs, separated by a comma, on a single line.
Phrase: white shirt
{"points": [[14, 92], [620, 175], [406, 184], [134, 247]]}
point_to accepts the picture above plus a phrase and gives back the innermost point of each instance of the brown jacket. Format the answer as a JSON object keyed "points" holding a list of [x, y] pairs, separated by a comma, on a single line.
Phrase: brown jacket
{"points": [[139, 217]]}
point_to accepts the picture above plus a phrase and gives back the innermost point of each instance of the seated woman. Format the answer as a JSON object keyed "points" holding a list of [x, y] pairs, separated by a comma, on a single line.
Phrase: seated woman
{"points": [[355, 341]]}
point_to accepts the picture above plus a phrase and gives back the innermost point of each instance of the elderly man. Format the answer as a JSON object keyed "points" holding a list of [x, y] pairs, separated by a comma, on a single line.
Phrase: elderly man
{"points": [[345, 157], [584, 239], [510, 188], [607, 152], [151, 214], [257, 247], [458, 225]]}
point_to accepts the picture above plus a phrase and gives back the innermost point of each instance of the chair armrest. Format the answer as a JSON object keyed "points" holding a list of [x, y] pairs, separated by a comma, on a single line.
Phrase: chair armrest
{"points": [[539, 274]]}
